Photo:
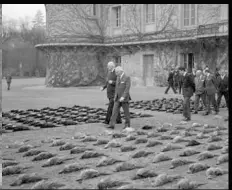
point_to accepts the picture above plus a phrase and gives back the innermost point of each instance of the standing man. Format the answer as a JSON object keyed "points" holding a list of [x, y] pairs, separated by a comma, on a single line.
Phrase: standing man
{"points": [[122, 97], [110, 85], [211, 89], [188, 90], [176, 78], [170, 82], [223, 88], [199, 81], [8, 81]]}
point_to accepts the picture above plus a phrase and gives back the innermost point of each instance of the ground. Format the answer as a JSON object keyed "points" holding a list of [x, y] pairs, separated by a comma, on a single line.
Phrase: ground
{"points": [[31, 93]]}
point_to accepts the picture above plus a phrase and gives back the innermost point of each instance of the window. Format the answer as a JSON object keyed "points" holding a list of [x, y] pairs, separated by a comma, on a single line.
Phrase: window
{"points": [[117, 16], [149, 13], [117, 60], [189, 14], [94, 10]]}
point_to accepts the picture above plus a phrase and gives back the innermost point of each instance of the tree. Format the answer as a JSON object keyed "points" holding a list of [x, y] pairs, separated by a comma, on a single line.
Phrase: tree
{"points": [[38, 21]]}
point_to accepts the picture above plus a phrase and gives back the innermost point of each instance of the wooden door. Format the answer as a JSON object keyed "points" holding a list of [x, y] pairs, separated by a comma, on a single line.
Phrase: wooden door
{"points": [[148, 68]]}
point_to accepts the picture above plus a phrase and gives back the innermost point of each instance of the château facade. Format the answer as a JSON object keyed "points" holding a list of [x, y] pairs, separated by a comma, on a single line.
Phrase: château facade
{"points": [[145, 39]]}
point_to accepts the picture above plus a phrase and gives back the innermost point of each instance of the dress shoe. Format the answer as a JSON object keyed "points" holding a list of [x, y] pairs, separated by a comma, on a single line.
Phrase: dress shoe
{"points": [[118, 122], [105, 122], [206, 113], [126, 126], [186, 119], [110, 127], [195, 112]]}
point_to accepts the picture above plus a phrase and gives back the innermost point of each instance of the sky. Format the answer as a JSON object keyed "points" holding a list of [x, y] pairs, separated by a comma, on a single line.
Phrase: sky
{"points": [[17, 11]]}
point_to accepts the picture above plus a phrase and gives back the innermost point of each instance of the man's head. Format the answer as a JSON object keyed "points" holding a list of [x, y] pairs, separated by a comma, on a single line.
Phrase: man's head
{"points": [[111, 66], [198, 73], [181, 70], [207, 72], [118, 70], [222, 72]]}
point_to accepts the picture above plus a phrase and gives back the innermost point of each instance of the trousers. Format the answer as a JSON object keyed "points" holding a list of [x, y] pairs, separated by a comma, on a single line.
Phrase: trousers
{"points": [[186, 107], [116, 110], [110, 110]]}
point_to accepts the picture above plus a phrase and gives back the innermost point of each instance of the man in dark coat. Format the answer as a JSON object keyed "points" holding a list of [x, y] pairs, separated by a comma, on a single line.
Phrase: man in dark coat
{"points": [[176, 78], [223, 88], [122, 97], [8, 81], [211, 89], [188, 90], [110, 86], [199, 81], [170, 82]]}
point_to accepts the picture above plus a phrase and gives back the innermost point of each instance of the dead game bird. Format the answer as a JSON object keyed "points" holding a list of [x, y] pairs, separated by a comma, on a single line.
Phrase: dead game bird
{"points": [[197, 167], [106, 161], [125, 166], [108, 183], [91, 154], [161, 157], [9, 163], [89, 174], [27, 178], [43, 156], [55, 161], [45, 184], [141, 153], [222, 159], [127, 148], [74, 167], [213, 172], [180, 162], [67, 146]]}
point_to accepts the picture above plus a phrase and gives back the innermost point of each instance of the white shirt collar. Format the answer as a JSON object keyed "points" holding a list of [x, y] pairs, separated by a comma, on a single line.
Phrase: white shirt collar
{"points": [[112, 71]]}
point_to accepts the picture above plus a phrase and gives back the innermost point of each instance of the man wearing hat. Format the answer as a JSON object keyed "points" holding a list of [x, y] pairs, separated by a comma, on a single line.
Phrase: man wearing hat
{"points": [[188, 90], [211, 89]]}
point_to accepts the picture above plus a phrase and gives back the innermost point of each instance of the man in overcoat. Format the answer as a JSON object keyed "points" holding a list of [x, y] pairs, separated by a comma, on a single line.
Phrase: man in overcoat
{"points": [[122, 97], [110, 86], [211, 89], [188, 90], [223, 88]]}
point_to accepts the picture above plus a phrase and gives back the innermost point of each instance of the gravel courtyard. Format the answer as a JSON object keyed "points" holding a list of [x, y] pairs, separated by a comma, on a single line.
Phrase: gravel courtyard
{"points": [[31, 93]]}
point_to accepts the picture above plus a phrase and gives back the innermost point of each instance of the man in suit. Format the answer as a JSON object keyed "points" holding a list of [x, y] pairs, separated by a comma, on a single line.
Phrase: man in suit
{"points": [[223, 88], [110, 86], [122, 97], [170, 82], [199, 81], [8, 81], [176, 78], [211, 89], [188, 90]]}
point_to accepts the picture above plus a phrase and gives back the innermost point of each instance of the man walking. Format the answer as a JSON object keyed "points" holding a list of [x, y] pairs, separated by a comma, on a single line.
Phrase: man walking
{"points": [[8, 81], [110, 85], [122, 97], [211, 89], [199, 81], [188, 90], [223, 88], [170, 82]]}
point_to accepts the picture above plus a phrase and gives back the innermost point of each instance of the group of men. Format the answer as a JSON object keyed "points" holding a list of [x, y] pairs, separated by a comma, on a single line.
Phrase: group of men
{"points": [[203, 83]]}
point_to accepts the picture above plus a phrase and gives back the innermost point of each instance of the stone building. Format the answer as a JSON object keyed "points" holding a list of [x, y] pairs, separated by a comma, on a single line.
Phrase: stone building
{"points": [[145, 39]]}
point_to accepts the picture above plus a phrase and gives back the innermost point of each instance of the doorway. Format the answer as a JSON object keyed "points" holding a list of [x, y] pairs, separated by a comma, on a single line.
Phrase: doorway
{"points": [[188, 61], [148, 68]]}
